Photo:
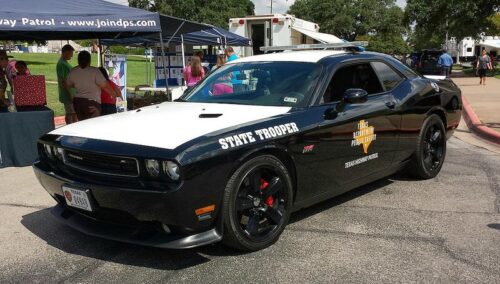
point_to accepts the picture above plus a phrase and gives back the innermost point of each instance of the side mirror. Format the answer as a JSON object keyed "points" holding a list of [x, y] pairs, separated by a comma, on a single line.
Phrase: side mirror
{"points": [[355, 96]]}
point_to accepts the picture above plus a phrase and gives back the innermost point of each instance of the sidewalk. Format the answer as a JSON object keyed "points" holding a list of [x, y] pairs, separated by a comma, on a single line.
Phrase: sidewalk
{"points": [[482, 106]]}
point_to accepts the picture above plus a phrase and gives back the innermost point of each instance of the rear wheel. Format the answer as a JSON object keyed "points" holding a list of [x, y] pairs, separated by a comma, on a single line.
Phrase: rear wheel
{"points": [[257, 203], [431, 149]]}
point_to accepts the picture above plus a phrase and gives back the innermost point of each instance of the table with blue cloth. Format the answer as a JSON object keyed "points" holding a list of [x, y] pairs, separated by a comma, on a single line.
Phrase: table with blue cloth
{"points": [[19, 133]]}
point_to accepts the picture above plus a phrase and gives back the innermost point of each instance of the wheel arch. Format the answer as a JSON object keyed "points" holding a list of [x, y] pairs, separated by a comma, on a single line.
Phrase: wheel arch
{"points": [[280, 153], [442, 115]]}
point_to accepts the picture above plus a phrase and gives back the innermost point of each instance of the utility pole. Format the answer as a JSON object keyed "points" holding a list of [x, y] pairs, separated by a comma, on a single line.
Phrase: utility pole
{"points": [[271, 6]]}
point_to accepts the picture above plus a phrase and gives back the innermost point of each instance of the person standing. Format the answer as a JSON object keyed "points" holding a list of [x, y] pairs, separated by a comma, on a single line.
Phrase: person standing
{"points": [[231, 55], [108, 101], [4, 61], [194, 72], [88, 82], [221, 60], [446, 62], [66, 94], [483, 64]]}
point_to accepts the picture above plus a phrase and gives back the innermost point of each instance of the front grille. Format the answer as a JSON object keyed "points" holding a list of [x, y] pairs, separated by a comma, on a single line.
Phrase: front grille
{"points": [[102, 164]]}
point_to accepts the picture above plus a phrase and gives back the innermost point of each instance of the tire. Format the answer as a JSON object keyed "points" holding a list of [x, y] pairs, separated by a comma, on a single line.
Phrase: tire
{"points": [[430, 152], [257, 204]]}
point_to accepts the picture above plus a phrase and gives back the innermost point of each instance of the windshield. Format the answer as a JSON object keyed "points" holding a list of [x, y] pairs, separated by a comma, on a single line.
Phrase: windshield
{"points": [[258, 83]]}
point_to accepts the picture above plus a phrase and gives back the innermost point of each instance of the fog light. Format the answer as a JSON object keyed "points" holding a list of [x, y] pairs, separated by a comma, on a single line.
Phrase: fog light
{"points": [[153, 167], [171, 169]]}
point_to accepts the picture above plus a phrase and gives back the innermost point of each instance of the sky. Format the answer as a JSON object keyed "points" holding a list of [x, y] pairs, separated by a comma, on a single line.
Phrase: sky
{"points": [[281, 6]]}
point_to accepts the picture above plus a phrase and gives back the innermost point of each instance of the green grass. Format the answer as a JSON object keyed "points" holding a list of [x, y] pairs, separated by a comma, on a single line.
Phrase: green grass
{"points": [[45, 64]]}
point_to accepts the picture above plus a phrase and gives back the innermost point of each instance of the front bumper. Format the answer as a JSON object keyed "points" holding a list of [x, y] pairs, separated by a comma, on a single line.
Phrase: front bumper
{"points": [[131, 215], [139, 236]]}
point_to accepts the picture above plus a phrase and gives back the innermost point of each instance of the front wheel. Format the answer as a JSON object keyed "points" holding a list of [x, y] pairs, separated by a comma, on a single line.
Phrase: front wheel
{"points": [[257, 203], [431, 149]]}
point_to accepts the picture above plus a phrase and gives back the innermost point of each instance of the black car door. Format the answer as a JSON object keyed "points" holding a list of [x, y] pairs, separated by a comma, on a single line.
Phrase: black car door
{"points": [[353, 140]]}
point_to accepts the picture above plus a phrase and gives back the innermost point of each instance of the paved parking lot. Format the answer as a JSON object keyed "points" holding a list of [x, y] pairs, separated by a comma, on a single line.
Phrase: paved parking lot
{"points": [[395, 230]]}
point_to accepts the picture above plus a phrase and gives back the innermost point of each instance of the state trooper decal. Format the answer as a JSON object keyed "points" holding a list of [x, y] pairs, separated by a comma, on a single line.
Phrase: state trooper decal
{"points": [[258, 135]]}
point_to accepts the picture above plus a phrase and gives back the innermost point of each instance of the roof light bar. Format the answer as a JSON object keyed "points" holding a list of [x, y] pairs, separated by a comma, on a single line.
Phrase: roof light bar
{"points": [[342, 45]]}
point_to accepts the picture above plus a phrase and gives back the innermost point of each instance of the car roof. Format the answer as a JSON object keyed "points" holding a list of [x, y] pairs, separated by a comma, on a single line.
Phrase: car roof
{"points": [[312, 56]]}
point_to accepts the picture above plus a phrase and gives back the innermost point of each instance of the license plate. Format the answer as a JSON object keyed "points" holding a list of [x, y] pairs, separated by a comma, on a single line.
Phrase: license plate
{"points": [[77, 198]]}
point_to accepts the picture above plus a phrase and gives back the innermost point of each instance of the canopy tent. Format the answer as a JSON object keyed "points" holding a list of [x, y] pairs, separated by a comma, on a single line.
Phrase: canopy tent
{"points": [[219, 35], [207, 35], [321, 37], [69, 19]]}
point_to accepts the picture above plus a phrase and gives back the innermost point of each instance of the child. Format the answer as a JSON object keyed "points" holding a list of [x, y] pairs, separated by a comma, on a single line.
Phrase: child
{"points": [[108, 101], [22, 69]]}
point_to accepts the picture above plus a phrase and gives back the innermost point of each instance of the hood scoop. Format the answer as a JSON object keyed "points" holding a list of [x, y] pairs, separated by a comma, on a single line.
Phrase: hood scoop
{"points": [[210, 115]]}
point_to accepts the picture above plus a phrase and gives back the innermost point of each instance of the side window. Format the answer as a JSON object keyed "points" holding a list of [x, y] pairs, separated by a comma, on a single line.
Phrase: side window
{"points": [[387, 75], [357, 76]]}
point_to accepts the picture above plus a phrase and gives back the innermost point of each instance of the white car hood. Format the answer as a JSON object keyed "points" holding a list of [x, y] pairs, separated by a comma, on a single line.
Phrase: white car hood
{"points": [[167, 125]]}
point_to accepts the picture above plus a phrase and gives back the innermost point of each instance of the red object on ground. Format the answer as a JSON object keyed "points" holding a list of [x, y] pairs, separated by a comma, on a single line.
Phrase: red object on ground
{"points": [[30, 90], [476, 126]]}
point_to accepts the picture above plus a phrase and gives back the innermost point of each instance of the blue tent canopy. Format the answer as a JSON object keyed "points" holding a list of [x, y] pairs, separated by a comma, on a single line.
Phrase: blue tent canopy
{"points": [[70, 19], [222, 36], [206, 36]]}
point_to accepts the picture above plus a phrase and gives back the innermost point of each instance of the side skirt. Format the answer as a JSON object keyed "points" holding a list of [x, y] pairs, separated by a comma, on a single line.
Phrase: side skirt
{"points": [[357, 183]]}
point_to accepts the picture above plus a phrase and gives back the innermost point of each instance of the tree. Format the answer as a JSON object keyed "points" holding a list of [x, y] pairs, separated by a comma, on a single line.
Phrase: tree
{"points": [[434, 19], [215, 12], [349, 19], [378, 21]]}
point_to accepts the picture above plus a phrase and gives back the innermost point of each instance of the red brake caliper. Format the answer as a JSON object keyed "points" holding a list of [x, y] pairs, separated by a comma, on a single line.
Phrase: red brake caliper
{"points": [[263, 185]]}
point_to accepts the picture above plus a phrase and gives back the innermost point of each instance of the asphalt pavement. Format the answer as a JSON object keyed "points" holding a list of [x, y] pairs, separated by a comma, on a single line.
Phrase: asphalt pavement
{"points": [[444, 230]]}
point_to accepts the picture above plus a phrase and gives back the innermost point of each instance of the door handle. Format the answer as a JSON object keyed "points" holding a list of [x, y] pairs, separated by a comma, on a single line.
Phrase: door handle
{"points": [[390, 104]]}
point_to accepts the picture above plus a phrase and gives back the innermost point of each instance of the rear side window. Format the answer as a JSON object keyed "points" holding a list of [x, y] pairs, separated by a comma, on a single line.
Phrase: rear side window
{"points": [[387, 75], [356, 76]]}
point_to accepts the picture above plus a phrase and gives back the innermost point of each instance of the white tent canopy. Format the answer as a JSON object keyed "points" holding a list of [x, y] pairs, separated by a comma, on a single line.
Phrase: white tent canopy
{"points": [[321, 37]]}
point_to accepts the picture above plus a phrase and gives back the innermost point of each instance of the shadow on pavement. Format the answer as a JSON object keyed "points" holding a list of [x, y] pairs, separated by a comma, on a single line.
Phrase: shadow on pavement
{"points": [[42, 224], [343, 198], [46, 227], [494, 226]]}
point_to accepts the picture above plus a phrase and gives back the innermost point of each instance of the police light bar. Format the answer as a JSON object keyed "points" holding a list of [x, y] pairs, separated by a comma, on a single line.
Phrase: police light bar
{"points": [[353, 45]]}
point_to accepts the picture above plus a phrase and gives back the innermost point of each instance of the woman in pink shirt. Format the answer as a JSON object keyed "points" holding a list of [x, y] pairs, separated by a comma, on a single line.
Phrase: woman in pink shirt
{"points": [[194, 72]]}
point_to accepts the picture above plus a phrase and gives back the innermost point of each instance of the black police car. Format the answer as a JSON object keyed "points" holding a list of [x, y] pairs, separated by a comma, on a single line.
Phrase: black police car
{"points": [[257, 139]]}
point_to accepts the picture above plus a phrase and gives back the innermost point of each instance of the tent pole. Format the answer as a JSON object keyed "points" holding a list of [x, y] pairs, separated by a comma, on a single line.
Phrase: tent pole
{"points": [[163, 59], [98, 53], [183, 53], [168, 43]]}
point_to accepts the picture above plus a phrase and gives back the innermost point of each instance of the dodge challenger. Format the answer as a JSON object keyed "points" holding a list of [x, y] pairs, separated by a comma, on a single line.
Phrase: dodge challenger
{"points": [[256, 140]]}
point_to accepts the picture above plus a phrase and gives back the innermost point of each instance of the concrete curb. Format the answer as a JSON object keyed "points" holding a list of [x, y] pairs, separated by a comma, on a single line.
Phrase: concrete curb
{"points": [[476, 126]]}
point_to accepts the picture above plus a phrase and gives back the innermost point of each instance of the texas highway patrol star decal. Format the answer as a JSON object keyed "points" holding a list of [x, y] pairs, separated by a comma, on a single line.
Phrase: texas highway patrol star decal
{"points": [[365, 135]]}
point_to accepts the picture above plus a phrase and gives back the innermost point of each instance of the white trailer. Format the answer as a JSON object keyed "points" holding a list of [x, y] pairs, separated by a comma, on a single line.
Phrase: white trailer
{"points": [[277, 30]]}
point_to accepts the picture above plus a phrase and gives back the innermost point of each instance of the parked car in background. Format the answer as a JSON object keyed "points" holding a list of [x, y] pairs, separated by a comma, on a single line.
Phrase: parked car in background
{"points": [[428, 62]]}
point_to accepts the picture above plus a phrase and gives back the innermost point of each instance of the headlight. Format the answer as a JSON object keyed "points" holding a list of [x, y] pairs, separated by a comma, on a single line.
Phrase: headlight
{"points": [[171, 169], [58, 152], [48, 151], [153, 167]]}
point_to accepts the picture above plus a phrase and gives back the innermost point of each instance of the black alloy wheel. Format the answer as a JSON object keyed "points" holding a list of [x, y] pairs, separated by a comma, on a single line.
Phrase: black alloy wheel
{"points": [[434, 144], [430, 152], [257, 204]]}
